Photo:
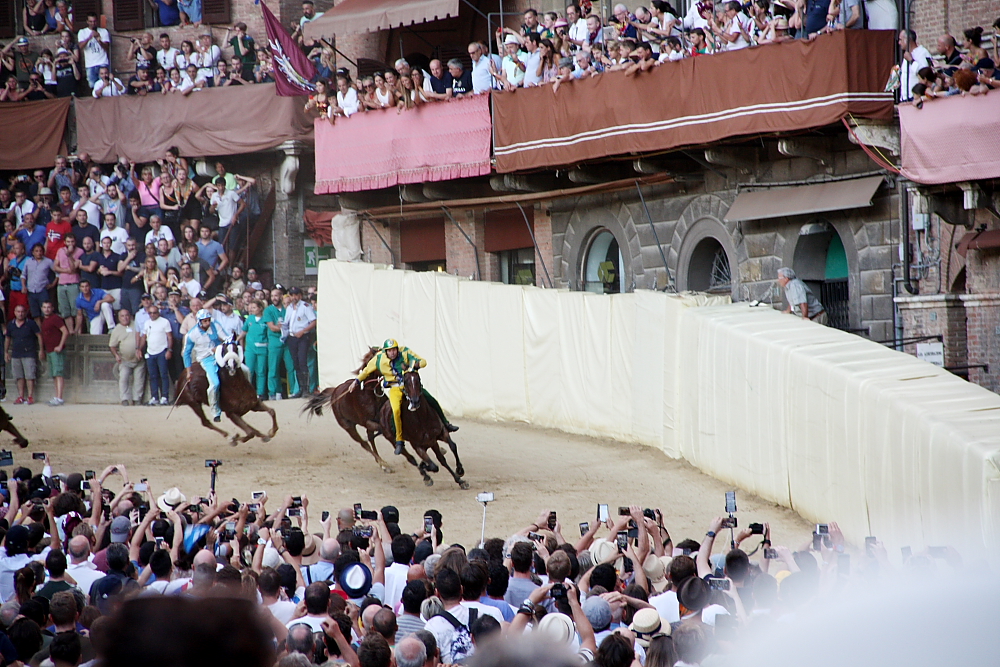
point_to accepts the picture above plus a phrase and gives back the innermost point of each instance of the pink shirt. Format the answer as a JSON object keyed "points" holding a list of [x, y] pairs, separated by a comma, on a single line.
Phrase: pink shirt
{"points": [[62, 261], [149, 195]]}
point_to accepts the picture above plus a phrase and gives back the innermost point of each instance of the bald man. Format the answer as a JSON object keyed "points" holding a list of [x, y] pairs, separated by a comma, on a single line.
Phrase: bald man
{"points": [[410, 652], [329, 551], [84, 572]]}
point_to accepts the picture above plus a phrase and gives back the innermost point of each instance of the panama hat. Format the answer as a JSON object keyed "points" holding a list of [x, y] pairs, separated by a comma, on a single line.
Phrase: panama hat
{"points": [[170, 499]]}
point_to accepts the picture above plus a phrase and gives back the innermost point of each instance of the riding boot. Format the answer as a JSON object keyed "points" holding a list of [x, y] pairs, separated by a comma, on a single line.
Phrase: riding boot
{"points": [[213, 399], [399, 448]]}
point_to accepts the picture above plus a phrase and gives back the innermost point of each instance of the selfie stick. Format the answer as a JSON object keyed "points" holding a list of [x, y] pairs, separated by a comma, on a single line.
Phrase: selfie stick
{"points": [[482, 539], [732, 533], [215, 469]]}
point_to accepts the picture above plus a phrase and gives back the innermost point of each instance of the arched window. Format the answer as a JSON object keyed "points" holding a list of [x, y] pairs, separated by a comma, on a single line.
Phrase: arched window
{"points": [[708, 269], [603, 266]]}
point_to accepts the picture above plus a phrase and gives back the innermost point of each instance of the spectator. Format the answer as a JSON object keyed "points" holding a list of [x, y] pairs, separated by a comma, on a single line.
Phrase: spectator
{"points": [[190, 11], [133, 275], [228, 322], [245, 49], [38, 278], [277, 350], [124, 345], [22, 205], [110, 267], [255, 347], [54, 336], [300, 322], [94, 304], [458, 81], [167, 11], [156, 338], [14, 273], [211, 253], [482, 63], [107, 85], [89, 206], [95, 43], [23, 350], [577, 26], [67, 267], [56, 232], [800, 298]]}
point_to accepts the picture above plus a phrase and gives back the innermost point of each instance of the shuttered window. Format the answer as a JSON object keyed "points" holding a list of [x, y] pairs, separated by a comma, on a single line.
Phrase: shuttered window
{"points": [[7, 16], [80, 10], [128, 15], [215, 11]]}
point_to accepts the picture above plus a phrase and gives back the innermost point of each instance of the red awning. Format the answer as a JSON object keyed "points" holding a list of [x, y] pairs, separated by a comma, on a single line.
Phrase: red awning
{"points": [[354, 16], [979, 241]]}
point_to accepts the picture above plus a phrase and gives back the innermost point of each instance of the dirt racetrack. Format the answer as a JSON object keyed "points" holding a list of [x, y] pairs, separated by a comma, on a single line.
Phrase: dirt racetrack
{"points": [[528, 469]]}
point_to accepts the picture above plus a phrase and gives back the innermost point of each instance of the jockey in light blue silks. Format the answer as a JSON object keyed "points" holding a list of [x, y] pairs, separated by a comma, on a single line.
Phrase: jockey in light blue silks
{"points": [[200, 345]]}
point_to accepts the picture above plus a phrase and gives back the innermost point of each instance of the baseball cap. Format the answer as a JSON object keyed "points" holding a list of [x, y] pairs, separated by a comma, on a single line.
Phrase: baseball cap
{"points": [[120, 528], [146, 296], [294, 290], [17, 538]]}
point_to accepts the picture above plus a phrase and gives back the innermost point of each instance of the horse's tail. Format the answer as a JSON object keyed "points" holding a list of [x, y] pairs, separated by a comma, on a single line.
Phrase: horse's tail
{"points": [[314, 404]]}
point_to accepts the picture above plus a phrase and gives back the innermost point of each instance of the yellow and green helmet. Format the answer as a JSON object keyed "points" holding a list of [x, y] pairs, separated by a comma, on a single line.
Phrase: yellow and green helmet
{"points": [[389, 344]]}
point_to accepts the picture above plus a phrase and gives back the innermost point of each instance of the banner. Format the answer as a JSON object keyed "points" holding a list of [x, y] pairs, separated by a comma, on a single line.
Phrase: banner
{"points": [[293, 72]]}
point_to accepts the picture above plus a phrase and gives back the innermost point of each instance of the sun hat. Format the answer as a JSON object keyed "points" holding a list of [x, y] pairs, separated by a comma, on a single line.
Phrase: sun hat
{"points": [[356, 580], [310, 552], [647, 624], [601, 550], [656, 572], [557, 627], [170, 499]]}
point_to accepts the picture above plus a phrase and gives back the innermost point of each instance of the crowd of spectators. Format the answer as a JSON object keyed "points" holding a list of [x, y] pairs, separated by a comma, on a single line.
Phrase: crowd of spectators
{"points": [[922, 76], [97, 567], [136, 251]]}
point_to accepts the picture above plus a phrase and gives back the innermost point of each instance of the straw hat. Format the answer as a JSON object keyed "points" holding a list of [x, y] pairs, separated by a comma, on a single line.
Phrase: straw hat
{"points": [[557, 627], [647, 624]]}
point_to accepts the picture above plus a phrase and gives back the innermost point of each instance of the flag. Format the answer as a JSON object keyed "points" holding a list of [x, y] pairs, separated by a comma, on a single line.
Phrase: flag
{"points": [[293, 72]]}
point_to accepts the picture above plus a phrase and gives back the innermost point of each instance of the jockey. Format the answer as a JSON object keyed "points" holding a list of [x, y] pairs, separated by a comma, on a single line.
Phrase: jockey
{"points": [[391, 362], [200, 346]]}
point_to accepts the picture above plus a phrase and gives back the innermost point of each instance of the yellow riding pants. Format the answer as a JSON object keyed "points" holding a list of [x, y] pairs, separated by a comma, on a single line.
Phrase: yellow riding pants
{"points": [[396, 400]]}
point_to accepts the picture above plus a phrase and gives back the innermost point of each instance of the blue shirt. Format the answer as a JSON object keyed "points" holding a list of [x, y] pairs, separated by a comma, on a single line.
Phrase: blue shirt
{"points": [[504, 608], [210, 252], [168, 314], [36, 236], [169, 14], [90, 306]]}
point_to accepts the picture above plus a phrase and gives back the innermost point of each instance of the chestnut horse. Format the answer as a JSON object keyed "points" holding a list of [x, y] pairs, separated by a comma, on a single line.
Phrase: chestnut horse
{"points": [[7, 424], [422, 428], [236, 395], [354, 408]]}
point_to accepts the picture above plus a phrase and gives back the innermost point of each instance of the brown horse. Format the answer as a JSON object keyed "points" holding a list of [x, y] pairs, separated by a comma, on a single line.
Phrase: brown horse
{"points": [[353, 409], [422, 428], [7, 424], [236, 396]]}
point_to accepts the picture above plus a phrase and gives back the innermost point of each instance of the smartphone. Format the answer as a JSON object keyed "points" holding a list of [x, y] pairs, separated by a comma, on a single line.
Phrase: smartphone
{"points": [[622, 541], [159, 542], [937, 552], [535, 537], [623, 511], [729, 522], [718, 584], [357, 510], [86, 485], [325, 515], [209, 463], [369, 515], [257, 495], [294, 511], [485, 497], [89, 474], [428, 525], [756, 529], [142, 486], [296, 501], [730, 502], [817, 541], [870, 546], [230, 527], [552, 520], [253, 507], [602, 513], [906, 552], [584, 528], [822, 529], [38, 456], [844, 565], [627, 565], [6, 457], [770, 554], [364, 531]]}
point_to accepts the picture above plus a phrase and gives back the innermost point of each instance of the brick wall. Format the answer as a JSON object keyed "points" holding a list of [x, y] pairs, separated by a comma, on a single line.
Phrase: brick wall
{"points": [[936, 315], [543, 240], [461, 254], [933, 18], [372, 246]]}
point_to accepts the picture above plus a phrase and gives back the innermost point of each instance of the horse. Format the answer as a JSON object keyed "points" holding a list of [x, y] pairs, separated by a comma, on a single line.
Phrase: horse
{"points": [[7, 424], [354, 408], [422, 428], [236, 395]]}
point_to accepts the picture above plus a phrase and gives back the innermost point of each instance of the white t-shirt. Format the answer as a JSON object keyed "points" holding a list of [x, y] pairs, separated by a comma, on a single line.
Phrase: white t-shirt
{"points": [[154, 236], [192, 287], [444, 632], [312, 621], [226, 206], [512, 71], [118, 237], [735, 29], [206, 62], [94, 54], [167, 58], [282, 610], [156, 332], [93, 213], [349, 102], [578, 31]]}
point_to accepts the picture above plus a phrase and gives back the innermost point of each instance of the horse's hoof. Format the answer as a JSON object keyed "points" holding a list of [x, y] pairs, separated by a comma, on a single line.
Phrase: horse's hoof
{"points": [[428, 482], [265, 438], [463, 485], [387, 469], [23, 443]]}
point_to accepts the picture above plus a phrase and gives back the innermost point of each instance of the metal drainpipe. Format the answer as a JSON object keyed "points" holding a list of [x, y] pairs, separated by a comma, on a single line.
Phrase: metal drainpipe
{"points": [[904, 233]]}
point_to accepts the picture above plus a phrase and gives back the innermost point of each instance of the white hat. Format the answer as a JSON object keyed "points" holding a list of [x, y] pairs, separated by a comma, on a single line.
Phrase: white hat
{"points": [[601, 549], [656, 571], [170, 499], [511, 39], [647, 624], [557, 627]]}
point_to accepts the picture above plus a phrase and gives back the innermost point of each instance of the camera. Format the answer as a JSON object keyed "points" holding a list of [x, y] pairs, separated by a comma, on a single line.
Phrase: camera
{"points": [[484, 498], [649, 514], [756, 529], [294, 511], [718, 584], [364, 531], [38, 456], [558, 592], [729, 522], [209, 463]]}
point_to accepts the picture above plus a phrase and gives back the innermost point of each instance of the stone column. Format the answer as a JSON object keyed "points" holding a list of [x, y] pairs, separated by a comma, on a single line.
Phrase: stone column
{"points": [[288, 222]]}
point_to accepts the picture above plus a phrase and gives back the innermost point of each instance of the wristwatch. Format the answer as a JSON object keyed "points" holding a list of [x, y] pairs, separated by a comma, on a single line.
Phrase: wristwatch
{"points": [[711, 533], [261, 541]]}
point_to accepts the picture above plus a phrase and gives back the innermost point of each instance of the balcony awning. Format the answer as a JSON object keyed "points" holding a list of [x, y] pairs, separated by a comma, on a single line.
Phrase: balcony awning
{"points": [[356, 16], [804, 199], [979, 241]]}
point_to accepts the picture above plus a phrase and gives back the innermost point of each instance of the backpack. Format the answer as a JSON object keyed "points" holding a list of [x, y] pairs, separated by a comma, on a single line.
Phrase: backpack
{"points": [[461, 645]]}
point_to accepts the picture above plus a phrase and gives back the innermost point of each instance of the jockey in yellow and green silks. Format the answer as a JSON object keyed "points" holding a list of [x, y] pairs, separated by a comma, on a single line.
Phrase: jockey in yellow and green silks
{"points": [[391, 362]]}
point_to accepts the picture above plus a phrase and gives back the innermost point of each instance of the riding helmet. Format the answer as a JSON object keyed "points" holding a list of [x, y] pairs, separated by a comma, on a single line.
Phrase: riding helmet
{"points": [[389, 344]]}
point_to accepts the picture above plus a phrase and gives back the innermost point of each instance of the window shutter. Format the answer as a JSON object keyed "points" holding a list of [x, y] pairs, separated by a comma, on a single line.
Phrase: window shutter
{"points": [[80, 10], [7, 16], [128, 15], [215, 11]]}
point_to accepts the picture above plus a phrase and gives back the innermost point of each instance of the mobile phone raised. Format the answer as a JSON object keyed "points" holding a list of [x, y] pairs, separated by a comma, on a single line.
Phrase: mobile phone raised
{"points": [[584, 528], [730, 502], [602, 513]]}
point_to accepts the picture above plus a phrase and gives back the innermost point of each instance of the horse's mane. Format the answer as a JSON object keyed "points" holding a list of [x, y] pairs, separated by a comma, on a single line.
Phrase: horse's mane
{"points": [[372, 351]]}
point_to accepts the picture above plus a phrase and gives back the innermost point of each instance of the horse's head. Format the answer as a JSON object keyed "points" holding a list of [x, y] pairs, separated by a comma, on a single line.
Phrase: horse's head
{"points": [[230, 356], [412, 388], [372, 351]]}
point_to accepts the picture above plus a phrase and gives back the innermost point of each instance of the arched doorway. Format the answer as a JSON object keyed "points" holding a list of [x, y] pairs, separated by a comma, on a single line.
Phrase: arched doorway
{"points": [[708, 268], [820, 261], [602, 268]]}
